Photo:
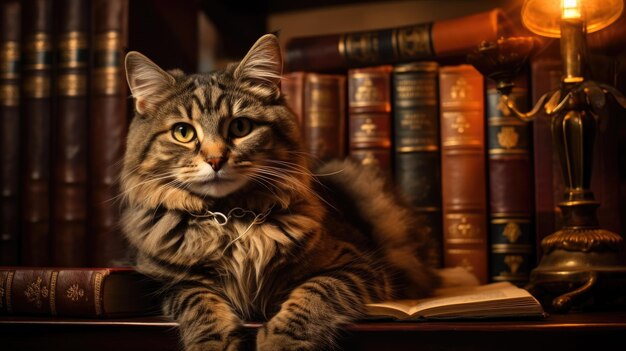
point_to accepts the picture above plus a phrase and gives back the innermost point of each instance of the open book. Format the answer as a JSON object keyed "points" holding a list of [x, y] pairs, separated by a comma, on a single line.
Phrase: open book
{"points": [[484, 301]]}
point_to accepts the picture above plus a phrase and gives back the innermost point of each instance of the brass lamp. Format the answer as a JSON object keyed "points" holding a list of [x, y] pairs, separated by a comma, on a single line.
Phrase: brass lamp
{"points": [[582, 264]]}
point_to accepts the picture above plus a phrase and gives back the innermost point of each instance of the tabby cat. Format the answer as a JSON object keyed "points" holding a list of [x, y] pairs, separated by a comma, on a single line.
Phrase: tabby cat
{"points": [[221, 206]]}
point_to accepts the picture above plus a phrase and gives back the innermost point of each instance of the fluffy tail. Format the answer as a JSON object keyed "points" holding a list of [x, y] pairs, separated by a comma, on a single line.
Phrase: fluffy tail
{"points": [[405, 242]]}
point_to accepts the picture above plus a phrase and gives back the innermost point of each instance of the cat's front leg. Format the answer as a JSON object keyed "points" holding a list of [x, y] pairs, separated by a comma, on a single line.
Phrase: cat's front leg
{"points": [[207, 322], [314, 313]]}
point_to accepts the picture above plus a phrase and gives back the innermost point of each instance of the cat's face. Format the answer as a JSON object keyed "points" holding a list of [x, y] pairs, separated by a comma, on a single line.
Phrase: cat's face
{"points": [[209, 136]]}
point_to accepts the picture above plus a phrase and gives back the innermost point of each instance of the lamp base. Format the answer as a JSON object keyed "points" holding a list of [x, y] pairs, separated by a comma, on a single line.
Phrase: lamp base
{"points": [[567, 279]]}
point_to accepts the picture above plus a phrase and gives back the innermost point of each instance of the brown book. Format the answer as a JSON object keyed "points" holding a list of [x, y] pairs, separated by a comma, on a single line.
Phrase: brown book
{"points": [[9, 131], [320, 99], [76, 292], [463, 178], [369, 104], [108, 125], [70, 140], [510, 187], [450, 37], [35, 142], [417, 168]]}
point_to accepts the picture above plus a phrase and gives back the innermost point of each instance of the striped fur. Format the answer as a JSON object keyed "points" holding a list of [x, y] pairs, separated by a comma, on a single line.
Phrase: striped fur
{"points": [[327, 246]]}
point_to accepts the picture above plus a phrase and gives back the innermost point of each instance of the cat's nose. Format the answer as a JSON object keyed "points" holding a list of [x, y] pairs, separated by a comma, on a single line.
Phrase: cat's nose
{"points": [[217, 162]]}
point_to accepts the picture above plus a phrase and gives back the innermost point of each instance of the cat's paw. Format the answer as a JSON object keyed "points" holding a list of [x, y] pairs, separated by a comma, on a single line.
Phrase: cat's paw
{"points": [[272, 338], [233, 343]]}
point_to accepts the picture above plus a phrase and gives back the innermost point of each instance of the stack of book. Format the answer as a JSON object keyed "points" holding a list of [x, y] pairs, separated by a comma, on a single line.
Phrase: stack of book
{"points": [[63, 117], [479, 185]]}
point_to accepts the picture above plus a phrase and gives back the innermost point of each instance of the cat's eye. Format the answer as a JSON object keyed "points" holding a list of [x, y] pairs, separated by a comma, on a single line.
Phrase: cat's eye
{"points": [[240, 127], [183, 132]]}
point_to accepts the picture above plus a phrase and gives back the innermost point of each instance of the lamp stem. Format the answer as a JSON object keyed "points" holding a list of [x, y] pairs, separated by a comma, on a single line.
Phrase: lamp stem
{"points": [[573, 49]]}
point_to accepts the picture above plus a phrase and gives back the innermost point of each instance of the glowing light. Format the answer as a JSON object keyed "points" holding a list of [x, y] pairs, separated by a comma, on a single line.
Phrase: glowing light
{"points": [[571, 9]]}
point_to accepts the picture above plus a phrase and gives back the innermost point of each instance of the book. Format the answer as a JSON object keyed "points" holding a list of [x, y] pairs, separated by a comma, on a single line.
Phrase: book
{"points": [[369, 116], [463, 179], [77, 292], [319, 102], [450, 37], [510, 187], [495, 300], [36, 139], [69, 213], [9, 131], [417, 166], [108, 125]]}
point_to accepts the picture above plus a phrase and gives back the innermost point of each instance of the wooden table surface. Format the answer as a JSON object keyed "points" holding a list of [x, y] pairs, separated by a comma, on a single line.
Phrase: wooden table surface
{"points": [[576, 331]]}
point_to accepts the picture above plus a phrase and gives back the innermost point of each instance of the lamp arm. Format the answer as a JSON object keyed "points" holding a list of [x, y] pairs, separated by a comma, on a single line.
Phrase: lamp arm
{"points": [[621, 100], [524, 116]]}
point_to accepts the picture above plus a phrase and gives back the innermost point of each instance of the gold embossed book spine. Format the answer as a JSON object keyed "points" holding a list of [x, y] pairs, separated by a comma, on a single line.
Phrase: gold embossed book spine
{"points": [[428, 40], [76, 292], [70, 137], [108, 125], [510, 188], [325, 116], [9, 131], [36, 108], [464, 195], [417, 166], [369, 121]]}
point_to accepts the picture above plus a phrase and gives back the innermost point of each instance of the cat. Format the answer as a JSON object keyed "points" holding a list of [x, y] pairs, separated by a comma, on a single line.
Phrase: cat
{"points": [[221, 206]]}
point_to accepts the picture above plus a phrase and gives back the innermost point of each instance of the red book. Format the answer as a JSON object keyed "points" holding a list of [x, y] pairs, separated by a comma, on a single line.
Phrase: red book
{"points": [[450, 37], [76, 292], [369, 104], [464, 194]]}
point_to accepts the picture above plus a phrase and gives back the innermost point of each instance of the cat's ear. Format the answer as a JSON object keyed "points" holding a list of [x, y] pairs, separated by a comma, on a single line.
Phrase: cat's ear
{"points": [[263, 63], [148, 82]]}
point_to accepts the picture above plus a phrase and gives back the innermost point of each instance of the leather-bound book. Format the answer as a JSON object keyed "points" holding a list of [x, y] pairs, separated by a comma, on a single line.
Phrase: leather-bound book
{"points": [[292, 86], [369, 111], [319, 100], [510, 187], [9, 131], [450, 37], [417, 155], [76, 292], [108, 125], [70, 138], [464, 195], [36, 110]]}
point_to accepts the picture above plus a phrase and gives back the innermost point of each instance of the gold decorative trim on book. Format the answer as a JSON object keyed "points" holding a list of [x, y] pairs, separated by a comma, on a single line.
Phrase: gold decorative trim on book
{"points": [[97, 284], [508, 151], [36, 86], [10, 60], [73, 50], [508, 218], [37, 52], [505, 121], [53, 288], [9, 94], [417, 148], [72, 84], [516, 91], [464, 241], [107, 63], [412, 42], [359, 47], [512, 248], [9, 291]]}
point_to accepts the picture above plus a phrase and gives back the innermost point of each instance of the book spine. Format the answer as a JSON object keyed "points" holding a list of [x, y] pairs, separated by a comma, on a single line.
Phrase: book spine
{"points": [[463, 177], [292, 86], [510, 187], [50, 292], [36, 114], [376, 47], [417, 155], [70, 142], [369, 105], [108, 125], [325, 116], [9, 131], [545, 77]]}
